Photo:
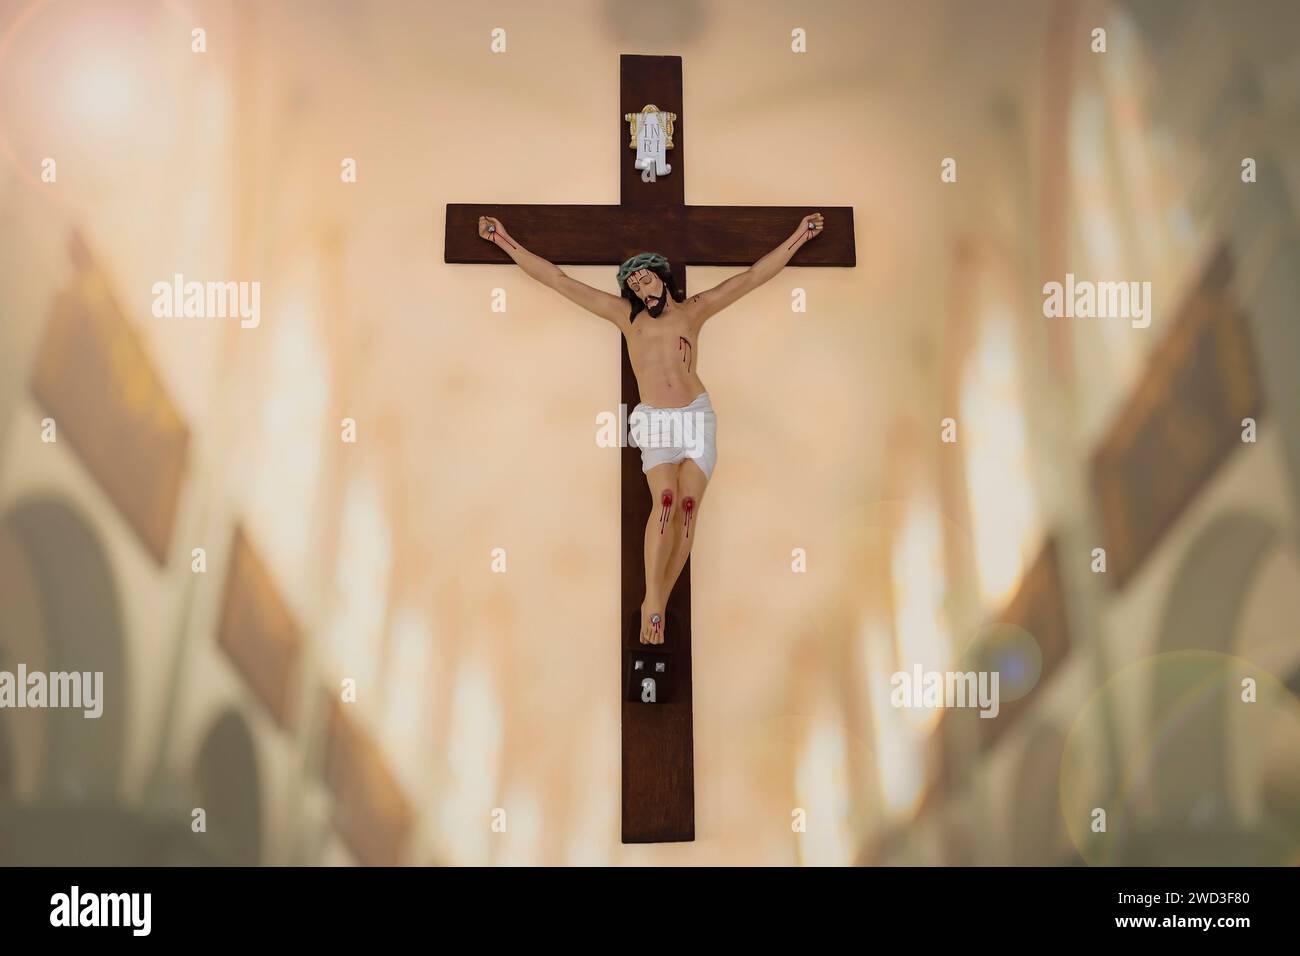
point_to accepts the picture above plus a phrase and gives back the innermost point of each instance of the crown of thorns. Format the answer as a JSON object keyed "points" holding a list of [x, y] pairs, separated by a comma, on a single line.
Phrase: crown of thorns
{"points": [[645, 260]]}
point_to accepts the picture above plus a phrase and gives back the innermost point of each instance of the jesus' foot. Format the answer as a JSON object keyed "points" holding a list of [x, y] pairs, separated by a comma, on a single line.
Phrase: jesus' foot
{"points": [[652, 624]]}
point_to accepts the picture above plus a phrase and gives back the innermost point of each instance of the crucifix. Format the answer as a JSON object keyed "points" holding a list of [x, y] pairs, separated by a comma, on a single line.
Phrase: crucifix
{"points": [[654, 674]]}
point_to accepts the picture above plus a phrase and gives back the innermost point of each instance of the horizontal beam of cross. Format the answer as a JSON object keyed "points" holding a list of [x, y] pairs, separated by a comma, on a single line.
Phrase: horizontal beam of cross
{"points": [[589, 235]]}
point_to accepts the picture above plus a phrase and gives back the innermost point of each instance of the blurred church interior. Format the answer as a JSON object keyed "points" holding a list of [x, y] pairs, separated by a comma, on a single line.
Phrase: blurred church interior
{"points": [[203, 531]]}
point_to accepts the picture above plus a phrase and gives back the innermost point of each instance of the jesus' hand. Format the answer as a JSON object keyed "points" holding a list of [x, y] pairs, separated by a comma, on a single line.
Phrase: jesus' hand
{"points": [[487, 225], [812, 225]]}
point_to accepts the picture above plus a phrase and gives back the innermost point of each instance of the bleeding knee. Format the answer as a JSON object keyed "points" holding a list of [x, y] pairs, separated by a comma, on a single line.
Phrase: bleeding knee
{"points": [[666, 497], [689, 508]]}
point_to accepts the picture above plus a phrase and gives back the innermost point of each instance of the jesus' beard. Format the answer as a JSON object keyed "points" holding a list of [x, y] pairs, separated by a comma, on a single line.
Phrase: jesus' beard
{"points": [[657, 309]]}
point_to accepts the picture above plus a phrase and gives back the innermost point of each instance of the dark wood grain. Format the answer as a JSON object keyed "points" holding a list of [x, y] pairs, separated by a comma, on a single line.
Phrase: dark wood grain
{"points": [[579, 235], [643, 80], [565, 235], [658, 739], [741, 235]]}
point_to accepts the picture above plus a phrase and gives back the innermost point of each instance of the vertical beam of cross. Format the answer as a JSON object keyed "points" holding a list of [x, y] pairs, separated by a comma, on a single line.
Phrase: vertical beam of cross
{"points": [[659, 740]]}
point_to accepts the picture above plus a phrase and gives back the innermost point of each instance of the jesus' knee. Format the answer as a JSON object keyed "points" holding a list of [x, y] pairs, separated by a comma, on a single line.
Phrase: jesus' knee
{"points": [[667, 499], [690, 509]]}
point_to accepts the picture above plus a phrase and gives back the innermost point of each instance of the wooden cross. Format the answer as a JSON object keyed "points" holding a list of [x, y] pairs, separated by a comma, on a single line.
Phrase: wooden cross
{"points": [[658, 743]]}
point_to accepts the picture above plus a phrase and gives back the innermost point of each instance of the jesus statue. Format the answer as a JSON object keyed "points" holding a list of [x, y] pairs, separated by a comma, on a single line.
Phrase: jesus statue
{"points": [[678, 429]]}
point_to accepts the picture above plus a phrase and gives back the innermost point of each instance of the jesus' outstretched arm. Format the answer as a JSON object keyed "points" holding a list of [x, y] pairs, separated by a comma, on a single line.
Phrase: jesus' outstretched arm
{"points": [[609, 307], [724, 293]]}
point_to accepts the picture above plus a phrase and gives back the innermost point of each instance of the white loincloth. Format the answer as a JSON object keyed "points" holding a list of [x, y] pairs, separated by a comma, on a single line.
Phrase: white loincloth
{"points": [[670, 435]]}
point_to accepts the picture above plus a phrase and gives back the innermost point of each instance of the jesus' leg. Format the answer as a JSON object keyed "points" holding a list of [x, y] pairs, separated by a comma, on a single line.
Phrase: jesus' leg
{"points": [[691, 483], [660, 533]]}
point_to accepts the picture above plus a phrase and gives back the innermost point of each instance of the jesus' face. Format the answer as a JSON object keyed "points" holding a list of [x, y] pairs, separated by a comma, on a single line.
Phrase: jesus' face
{"points": [[650, 289]]}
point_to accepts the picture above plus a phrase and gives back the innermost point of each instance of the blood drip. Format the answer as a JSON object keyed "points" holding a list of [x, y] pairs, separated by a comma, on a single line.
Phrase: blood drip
{"points": [[666, 503], [688, 506]]}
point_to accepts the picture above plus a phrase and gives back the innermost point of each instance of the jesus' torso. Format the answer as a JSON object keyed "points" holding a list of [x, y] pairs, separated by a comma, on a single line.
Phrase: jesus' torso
{"points": [[665, 357]]}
